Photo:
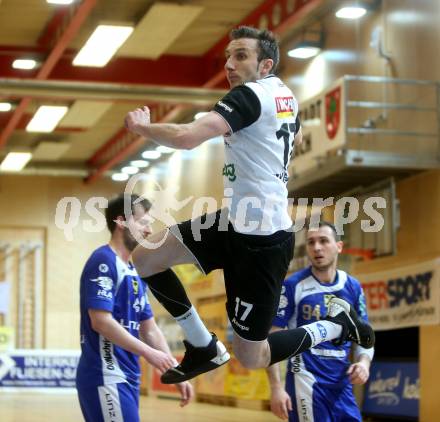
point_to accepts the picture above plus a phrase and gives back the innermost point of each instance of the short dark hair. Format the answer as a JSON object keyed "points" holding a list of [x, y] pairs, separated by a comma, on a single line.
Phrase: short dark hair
{"points": [[116, 207], [267, 43], [323, 223]]}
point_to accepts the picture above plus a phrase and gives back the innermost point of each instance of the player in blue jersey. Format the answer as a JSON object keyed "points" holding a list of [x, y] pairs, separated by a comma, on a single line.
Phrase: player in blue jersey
{"points": [[117, 323], [319, 381]]}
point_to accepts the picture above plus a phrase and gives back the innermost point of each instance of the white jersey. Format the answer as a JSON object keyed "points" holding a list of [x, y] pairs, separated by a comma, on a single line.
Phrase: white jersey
{"points": [[262, 117]]}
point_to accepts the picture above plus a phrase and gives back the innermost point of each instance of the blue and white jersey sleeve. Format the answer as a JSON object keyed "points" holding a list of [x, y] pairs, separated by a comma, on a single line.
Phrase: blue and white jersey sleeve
{"points": [[99, 281], [286, 307], [361, 304]]}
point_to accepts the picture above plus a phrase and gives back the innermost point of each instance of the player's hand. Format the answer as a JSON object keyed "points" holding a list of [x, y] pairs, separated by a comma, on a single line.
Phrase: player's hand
{"points": [[358, 373], [186, 392], [280, 403], [135, 120], [160, 360]]}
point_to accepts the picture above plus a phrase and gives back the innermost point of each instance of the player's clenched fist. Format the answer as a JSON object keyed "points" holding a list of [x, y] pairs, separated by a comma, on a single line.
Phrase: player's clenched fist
{"points": [[137, 119]]}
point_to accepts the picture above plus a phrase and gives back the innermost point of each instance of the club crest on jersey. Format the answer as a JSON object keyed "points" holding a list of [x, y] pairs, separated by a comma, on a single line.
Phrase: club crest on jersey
{"points": [[285, 106], [105, 283], [135, 285]]}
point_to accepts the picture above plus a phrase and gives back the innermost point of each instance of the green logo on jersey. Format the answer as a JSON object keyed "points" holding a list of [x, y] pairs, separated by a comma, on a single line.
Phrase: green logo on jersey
{"points": [[229, 172]]}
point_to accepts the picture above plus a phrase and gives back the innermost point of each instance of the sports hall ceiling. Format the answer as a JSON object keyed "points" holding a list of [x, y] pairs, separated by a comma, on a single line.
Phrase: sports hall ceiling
{"points": [[172, 61]]}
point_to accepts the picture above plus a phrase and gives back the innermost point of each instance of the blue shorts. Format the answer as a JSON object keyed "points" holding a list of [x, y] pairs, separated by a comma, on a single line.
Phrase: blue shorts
{"points": [[312, 402], [110, 403]]}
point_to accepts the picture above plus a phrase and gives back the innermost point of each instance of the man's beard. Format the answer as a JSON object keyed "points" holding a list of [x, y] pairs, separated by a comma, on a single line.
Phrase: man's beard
{"points": [[324, 266], [129, 241]]}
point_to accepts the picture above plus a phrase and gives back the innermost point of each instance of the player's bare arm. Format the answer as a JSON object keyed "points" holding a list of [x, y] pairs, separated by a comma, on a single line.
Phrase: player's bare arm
{"points": [[104, 323], [179, 136]]}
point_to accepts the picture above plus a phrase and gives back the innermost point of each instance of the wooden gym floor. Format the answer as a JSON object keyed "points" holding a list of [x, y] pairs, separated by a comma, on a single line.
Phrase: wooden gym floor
{"points": [[40, 407]]}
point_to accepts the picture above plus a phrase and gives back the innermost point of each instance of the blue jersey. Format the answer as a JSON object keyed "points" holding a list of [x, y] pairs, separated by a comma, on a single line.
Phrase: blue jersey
{"points": [[303, 300], [109, 284]]}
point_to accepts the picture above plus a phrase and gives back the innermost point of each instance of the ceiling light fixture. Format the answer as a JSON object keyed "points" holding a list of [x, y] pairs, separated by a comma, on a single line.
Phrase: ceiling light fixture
{"points": [[15, 161], [351, 12], [5, 107], [139, 163], [119, 177], [310, 44], [46, 118], [305, 50], [64, 2], [24, 64], [151, 155], [102, 45], [165, 150], [130, 169]]}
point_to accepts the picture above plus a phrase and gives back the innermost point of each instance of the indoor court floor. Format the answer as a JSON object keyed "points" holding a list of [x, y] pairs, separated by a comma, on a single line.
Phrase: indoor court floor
{"points": [[40, 407]]}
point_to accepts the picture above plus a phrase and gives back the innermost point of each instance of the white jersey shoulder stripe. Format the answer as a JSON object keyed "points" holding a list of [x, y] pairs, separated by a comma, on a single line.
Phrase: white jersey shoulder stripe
{"points": [[123, 270]]}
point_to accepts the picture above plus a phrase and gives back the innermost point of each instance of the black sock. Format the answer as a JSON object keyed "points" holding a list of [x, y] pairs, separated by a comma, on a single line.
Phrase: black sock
{"points": [[286, 343], [168, 290]]}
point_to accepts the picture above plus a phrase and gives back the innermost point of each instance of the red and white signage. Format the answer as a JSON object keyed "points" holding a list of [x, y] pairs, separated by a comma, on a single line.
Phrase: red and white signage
{"points": [[323, 123], [403, 297]]}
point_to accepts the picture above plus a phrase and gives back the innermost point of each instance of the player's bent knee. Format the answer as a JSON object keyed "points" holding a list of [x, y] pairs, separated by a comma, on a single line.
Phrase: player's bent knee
{"points": [[160, 252], [251, 356], [144, 262], [249, 363]]}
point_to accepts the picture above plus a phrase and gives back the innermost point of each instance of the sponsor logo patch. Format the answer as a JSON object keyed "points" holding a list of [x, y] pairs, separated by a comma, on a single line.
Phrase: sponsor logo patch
{"points": [[103, 268], [322, 330], [285, 106], [105, 283], [225, 106]]}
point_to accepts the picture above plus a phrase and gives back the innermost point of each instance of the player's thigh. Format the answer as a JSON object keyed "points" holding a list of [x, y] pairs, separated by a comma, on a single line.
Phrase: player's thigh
{"points": [[205, 237], [347, 407], [199, 241], [159, 252], [253, 280], [113, 402]]}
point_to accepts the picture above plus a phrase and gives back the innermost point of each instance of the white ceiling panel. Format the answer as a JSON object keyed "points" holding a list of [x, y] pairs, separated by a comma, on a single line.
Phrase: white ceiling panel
{"points": [[158, 29], [50, 150], [84, 114]]}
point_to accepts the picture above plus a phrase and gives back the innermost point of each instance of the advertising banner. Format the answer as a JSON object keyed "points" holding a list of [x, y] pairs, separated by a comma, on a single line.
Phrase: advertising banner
{"points": [[393, 390], [403, 297], [38, 368]]}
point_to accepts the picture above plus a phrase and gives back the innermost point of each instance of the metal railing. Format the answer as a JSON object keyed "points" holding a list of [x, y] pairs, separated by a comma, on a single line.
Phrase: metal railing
{"points": [[396, 106]]}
